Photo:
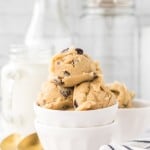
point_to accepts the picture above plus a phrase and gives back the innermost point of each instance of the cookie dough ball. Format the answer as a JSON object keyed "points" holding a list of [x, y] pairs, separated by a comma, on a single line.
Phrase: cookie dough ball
{"points": [[72, 67], [92, 95], [123, 95], [53, 96]]}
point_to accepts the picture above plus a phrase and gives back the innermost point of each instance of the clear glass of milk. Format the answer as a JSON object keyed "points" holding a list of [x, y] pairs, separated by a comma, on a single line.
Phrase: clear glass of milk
{"points": [[21, 81]]}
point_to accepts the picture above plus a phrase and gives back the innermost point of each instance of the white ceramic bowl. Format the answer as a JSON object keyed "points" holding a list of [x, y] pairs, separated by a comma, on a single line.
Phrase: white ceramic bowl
{"points": [[57, 138], [88, 118], [132, 122]]}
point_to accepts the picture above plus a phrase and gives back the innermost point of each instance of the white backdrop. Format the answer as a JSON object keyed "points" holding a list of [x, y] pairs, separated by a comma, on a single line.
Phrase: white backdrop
{"points": [[15, 17]]}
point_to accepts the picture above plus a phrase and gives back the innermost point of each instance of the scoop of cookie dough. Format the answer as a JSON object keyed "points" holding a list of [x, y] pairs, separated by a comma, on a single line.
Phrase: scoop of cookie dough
{"points": [[123, 95], [92, 95], [72, 66], [53, 96]]}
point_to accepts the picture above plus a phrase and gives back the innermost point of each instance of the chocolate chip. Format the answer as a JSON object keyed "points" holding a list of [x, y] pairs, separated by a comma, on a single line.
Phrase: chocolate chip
{"points": [[66, 73], [73, 63], [79, 51], [95, 75], [75, 104], [65, 50], [58, 63], [58, 81], [115, 92], [38, 103], [125, 105], [65, 107], [66, 92], [102, 89]]}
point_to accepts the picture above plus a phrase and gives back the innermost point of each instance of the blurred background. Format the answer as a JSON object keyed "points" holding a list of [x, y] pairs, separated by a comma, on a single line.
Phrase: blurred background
{"points": [[114, 32], [18, 20]]}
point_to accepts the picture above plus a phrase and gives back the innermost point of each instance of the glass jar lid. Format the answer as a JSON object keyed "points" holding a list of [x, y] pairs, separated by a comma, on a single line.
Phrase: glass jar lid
{"points": [[110, 3]]}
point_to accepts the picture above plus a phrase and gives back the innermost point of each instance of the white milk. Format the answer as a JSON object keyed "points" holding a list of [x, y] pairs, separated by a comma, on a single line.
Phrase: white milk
{"points": [[20, 83]]}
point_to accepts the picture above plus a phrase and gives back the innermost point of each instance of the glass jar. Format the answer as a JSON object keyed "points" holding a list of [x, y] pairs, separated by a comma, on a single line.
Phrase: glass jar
{"points": [[72, 10], [21, 81], [48, 28], [109, 32]]}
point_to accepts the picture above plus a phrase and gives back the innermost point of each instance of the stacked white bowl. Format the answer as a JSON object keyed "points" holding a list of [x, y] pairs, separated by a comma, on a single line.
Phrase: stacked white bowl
{"points": [[132, 122], [88, 130], [75, 130]]}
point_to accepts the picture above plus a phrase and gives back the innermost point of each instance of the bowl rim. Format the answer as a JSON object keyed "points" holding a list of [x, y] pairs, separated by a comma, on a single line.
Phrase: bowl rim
{"points": [[73, 112], [113, 123], [137, 101]]}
